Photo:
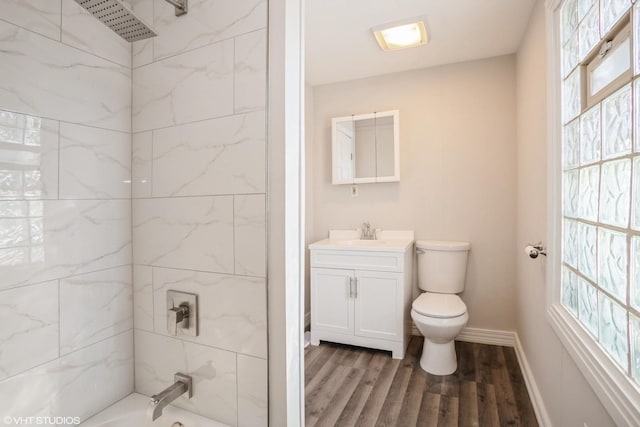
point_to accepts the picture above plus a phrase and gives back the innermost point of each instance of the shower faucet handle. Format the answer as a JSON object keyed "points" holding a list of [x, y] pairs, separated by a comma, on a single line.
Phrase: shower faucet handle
{"points": [[182, 313], [177, 315]]}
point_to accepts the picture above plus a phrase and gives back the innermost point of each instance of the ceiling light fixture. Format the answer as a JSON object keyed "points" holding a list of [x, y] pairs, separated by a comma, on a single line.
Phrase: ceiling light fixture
{"points": [[402, 34]]}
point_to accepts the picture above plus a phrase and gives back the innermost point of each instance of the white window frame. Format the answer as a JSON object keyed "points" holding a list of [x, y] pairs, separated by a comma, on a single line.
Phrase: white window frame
{"points": [[592, 99], [617, 392]]}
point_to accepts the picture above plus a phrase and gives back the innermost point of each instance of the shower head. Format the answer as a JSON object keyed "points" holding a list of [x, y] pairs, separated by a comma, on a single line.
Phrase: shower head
{"points": [[120, 18]]}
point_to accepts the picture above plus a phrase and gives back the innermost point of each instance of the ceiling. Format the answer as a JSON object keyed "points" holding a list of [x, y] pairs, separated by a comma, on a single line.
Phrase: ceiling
{"points": [[340, 45]]}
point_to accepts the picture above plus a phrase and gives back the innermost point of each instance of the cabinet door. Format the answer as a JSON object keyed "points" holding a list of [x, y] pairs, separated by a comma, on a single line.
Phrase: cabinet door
{"points": [[378, 305], [331, 304]]}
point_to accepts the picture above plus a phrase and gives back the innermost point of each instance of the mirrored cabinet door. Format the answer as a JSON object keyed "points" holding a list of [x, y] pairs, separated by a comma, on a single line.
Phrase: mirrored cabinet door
{"points": [[365, 148]]}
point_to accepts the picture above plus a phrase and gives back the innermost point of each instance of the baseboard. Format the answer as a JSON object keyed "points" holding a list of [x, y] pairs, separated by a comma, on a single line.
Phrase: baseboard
{"points": [[480, 336], [532, 387], [487, 336]]}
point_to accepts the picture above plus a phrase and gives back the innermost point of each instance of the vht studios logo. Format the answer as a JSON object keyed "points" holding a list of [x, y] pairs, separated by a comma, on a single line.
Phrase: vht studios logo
{"points": [[41, 421]]}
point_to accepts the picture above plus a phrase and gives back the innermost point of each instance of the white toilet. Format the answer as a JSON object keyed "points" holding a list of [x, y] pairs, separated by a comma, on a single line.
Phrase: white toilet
{"points": [[438, 312]]}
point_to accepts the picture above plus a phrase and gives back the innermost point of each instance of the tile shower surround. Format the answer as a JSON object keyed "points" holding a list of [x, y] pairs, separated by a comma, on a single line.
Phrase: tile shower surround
{"points": [[169, 144], [65, 213], [198, 172]]}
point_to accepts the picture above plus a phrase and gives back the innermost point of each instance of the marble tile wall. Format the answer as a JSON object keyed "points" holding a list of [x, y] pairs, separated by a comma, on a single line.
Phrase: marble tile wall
{"points": [[198, 171], [66, 342]]}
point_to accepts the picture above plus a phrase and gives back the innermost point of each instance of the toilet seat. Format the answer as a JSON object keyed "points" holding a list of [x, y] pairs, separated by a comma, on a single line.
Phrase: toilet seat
{"points": [[439, 305]]}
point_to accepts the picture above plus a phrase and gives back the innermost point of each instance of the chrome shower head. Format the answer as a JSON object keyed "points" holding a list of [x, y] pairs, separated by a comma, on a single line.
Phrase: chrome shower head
{"points": [[120, 18]]}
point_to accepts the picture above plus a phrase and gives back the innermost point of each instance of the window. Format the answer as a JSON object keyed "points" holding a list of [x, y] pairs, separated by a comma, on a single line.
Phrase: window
{"points": [[596, 307], [611, 68], [26, 151]]}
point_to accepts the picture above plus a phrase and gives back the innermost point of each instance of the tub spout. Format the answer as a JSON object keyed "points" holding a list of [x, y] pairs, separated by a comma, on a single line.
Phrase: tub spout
{"points": [[183, 384]]}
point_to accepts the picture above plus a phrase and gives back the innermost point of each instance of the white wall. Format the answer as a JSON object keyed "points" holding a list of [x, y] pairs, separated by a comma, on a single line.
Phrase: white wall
{"points": [[568, 398], [66, 341], [199, 161], [458, 174]]}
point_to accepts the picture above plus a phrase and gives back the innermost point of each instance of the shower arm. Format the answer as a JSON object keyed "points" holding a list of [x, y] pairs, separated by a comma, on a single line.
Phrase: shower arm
{"points": [[119, 17], [180, 5]]}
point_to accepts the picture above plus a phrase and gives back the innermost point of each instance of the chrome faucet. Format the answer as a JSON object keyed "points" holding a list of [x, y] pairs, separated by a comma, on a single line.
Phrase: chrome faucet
{"points": [[367, 233], [183, 384]]}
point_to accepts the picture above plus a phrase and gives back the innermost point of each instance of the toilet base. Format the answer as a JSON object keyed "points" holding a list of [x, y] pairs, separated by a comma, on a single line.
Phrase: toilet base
{"points": [[438, 359]]}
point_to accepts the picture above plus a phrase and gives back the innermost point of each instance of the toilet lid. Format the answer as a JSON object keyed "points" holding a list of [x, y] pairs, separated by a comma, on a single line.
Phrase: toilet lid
{"points": [[439, 305]]}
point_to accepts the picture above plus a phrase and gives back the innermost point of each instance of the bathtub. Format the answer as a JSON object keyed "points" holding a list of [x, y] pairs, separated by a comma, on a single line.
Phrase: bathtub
{"points": [[132, 412]]}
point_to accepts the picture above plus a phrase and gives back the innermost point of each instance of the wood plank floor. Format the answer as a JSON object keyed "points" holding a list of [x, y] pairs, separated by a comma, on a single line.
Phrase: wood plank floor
{"points": [[354, 386]]}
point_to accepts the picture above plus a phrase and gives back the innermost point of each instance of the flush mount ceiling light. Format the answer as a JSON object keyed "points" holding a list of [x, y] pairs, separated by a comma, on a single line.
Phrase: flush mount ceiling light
{"points": [[401, 34]]}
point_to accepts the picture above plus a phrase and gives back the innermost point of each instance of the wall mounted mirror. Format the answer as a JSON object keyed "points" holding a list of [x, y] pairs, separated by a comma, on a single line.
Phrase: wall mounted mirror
{"points": [[366, 148]]}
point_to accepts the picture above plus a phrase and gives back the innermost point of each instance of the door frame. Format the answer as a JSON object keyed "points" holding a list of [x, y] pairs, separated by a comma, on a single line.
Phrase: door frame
{"points": [[285, 212]]}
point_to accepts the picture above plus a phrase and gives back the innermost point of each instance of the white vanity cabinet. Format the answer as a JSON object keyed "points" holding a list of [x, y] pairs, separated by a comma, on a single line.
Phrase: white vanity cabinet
{"points": [[361, 293]]}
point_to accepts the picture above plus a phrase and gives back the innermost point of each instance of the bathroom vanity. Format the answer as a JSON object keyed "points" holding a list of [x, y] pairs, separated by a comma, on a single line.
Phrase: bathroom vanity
{"points": [[361, 290]]}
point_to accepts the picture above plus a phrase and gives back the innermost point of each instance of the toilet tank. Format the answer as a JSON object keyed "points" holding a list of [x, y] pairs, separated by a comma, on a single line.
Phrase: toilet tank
{"points": [[442, 265]]}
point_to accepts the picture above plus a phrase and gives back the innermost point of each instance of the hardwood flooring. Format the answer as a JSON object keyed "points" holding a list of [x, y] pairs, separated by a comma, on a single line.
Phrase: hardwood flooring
{"points": [[354, 386]]}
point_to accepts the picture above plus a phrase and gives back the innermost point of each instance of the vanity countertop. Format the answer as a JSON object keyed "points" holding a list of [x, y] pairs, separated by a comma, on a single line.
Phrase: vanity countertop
{"points": [[382, 245]]}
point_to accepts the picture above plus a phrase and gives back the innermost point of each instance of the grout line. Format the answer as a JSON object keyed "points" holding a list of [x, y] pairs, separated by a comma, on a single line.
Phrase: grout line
{"points": [[245, 276], [66, 354], [237, 390], [151, 161], [63, 278], [208, 119], [120, 199], [59, 158], [203, 271], [84, 125], [131, 209], [84, 347], [200, 196], [155, 59], [133, 323], [233, 219], [200, 344], [75, 199], [59, 322], [59, 40], [40, 116], [153, 39], [60, 27], [118, 64], [153, 300], [233, 76]]}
